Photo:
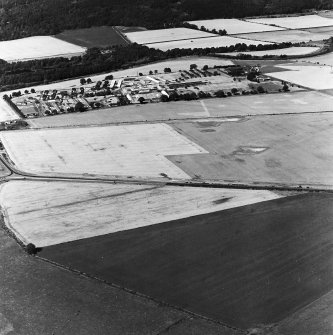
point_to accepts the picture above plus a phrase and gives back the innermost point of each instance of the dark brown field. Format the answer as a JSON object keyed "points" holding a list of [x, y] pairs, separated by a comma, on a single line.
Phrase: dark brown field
{"points": [[246, 266], [94, 37]]}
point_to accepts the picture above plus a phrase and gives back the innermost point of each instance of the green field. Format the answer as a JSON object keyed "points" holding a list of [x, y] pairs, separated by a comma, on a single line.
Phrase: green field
{"points": [[247, 266], [102, 37]]}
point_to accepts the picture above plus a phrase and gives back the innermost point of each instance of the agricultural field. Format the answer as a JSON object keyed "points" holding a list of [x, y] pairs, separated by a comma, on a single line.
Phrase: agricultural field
{"points": [[101, 37], [131, 29], [47, 213], [226, 110], [234, 26], [166, 35], [37, 297], [245, 267], [282, 149], [213, 42], [314, 77], [37, 47], [7, 113], [316, 318], [130, 150], [295, 22], [321, 30], [326, 59], [293, 36], [293, 51]]}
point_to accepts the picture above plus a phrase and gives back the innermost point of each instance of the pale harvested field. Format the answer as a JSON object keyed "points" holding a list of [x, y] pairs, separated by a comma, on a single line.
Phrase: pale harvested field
{"points": [[47, 213], [164, 35], [314, 77], [132, 150], [293, 36], [6, 112], [293, 51], [234, 26], [287, 149], [326, 59], [296, 22], [282, 103], [213, 42], [37, 47], [314, 319], [182, 63]]}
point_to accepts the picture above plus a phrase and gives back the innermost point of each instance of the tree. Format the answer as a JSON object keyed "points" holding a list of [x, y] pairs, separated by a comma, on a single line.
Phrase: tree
{"points": [[251, 76], [79, 107], [32, 90], [141, 100], [151, 72], [167, 70], [109, 77], [234, 90], [285, 87], [89, 81], [220, 94], [260, 89], [82, 81], [31, 249], [193, 66], [164, 98], [205, 68]]}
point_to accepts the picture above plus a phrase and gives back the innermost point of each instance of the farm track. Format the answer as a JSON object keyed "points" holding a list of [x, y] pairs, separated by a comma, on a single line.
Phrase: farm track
{"points": [[16, 174]]}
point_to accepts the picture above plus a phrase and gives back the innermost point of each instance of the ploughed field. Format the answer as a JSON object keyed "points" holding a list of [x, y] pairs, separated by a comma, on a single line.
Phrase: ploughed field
{"points": [[102, 37], [246, 266]]}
